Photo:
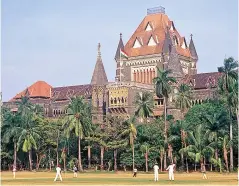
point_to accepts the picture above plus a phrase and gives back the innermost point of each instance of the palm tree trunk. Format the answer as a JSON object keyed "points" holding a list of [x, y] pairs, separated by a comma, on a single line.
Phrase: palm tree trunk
{"points": [[165, 161], [30, 159], [161, 163], [15, 154], [89, 157], [225, 157], [195, 167], [64, 160], [101, 158], [57, 153], [115, 160], [146, 162], [231, 148], [133, 154], [187, 164], [79, 155]]}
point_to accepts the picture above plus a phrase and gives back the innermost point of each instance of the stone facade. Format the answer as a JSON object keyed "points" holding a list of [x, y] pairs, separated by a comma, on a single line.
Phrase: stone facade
{"points": [[155, 44]]}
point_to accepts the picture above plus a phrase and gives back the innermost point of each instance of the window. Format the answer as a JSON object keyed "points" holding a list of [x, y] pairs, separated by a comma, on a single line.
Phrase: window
{"points": [[151, 42], [148, 27], [136, 43]]}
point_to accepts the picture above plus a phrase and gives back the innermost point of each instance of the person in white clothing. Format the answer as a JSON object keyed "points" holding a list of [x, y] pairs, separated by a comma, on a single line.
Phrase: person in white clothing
{"points": [[75, 171], [156, 172], [170, 171], [14, 171], [58, 173]]}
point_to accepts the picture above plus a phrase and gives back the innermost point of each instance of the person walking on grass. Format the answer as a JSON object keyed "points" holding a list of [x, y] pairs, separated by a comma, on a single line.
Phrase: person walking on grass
{"points": [[14, 170], [58, 173], [135, 172], [75, 171], [203, 170], [171, 171], [156, 172]]}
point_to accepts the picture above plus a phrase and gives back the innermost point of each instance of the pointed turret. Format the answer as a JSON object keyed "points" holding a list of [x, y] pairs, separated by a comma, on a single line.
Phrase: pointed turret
{"points": [[174, 63], [120, 46], [99, 76], [167, 42], [193, 49]]}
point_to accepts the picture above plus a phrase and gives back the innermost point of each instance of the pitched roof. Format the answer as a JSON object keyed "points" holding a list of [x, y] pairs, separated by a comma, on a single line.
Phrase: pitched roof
{"points": [[120, 46], [193, 49], [99, 76], [159, 23], [202, 80], [64, 93], [38, 89]]}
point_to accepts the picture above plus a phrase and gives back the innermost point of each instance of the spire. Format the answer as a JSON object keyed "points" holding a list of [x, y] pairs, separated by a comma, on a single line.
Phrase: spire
{"points": [[99, 76], [174, 63], [167, 42], [120, 46], [193, 49]]}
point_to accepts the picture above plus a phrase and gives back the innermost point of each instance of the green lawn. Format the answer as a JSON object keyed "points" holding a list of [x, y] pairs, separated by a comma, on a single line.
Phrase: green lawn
{"points": [[120, 178]]}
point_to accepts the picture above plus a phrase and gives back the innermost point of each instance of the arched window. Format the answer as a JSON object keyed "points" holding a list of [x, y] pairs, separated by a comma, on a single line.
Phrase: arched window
{"points": [[122, 100], [115, 101], [118, 100], [111, 101]]}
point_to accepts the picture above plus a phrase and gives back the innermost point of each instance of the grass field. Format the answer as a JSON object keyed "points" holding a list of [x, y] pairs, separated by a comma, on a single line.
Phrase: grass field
{"points": [[120, 178]]}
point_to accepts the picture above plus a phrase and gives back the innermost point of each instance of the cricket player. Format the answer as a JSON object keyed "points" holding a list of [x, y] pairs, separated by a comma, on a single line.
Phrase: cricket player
{"points": [[156, 172], [14, 169], [75, 171], [58, 173], [203, 170], [170, 171], [135, 172]]}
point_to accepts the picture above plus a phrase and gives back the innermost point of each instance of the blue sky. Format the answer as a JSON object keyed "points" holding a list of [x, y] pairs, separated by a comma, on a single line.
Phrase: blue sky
{"points": [[56, 40]]}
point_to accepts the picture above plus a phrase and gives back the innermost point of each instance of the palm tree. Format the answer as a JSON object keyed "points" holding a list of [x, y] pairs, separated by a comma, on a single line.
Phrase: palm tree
{"points": [[183, 102], [225, 144], [144, 104], [199, 147], [233, 98], [11, 130], [229, 75], [145, 149], [132, 132], [163, 89], [79, 121], [214, 125], [28, 136]]}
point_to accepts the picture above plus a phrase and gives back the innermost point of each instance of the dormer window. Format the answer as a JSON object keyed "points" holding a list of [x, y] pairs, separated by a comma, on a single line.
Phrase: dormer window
{"points": [[175, 40], [148, 27], [184, 44], [136, 43], [151, 41]]}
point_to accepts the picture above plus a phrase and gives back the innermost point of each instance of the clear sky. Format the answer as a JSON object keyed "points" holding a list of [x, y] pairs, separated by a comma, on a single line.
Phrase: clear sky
{"points": [[56, 40]]}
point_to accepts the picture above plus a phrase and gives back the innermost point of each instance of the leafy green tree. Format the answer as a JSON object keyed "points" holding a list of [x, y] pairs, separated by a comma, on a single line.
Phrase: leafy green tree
{"points": [[229, 76], [132, 134], [144, 105], [198, 146], [11, 130], [163, 83], [78, 120]]}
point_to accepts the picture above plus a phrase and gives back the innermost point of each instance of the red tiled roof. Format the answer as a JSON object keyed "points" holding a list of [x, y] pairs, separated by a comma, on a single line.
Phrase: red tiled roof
{"points": [[159, 23], [202, 79], [38, 89], [62, 93]]}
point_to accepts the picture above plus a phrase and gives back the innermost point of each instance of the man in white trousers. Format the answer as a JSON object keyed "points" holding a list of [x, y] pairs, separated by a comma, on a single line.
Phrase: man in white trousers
{"points": [[58, 173], [14, 169], [170, 171], [156, 172]]}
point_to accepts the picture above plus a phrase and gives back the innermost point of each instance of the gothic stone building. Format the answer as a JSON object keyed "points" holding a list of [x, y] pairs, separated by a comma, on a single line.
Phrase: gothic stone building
{"points": [[155, 43]]}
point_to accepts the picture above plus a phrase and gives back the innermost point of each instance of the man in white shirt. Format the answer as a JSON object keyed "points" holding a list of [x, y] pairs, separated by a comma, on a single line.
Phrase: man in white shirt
{"points": [[14, 171], [156, 172], [170, 171], [135, 172], [58, 173]]}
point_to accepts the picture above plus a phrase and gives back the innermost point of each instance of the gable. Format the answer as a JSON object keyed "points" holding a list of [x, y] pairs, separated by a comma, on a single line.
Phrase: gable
{"points": [[136, 43], [148, 27], [151, 42]]}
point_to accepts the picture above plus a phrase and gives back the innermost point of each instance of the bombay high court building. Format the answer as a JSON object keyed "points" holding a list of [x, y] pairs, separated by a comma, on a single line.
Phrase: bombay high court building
{"points": [[156, 42]]}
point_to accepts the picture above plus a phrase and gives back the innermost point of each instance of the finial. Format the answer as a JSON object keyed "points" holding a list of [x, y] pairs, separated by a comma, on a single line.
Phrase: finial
{"points": [[191, 36], [120, 35], [99, 54]]}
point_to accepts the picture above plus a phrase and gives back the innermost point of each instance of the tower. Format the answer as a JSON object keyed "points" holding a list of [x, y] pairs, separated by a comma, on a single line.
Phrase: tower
{"points": [[99, 96]]}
